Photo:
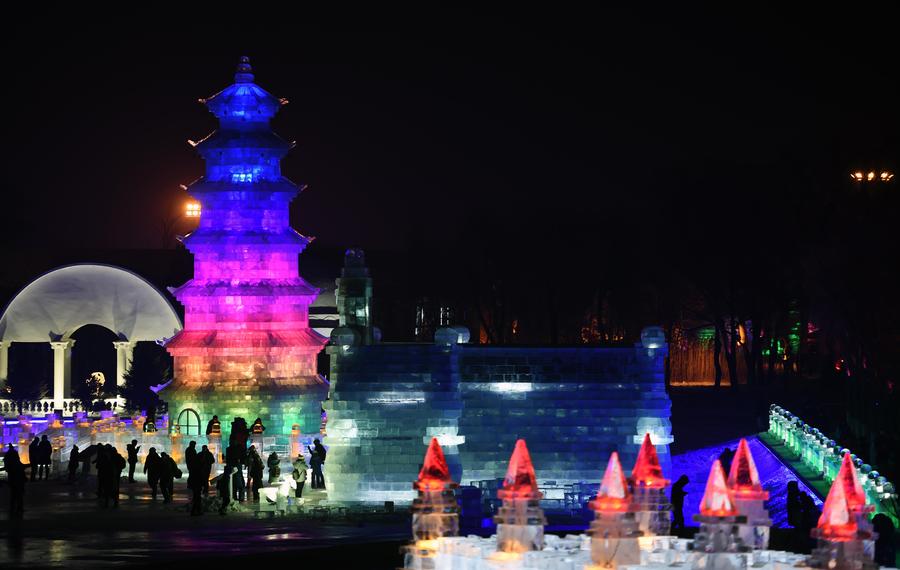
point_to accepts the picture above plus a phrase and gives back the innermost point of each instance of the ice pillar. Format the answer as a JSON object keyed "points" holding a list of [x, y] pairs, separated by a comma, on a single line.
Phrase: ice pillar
{"points": [[62, 371]]}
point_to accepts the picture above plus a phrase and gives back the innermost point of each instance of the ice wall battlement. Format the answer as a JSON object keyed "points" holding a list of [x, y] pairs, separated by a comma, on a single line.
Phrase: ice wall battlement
{"points": [[574, 405]]}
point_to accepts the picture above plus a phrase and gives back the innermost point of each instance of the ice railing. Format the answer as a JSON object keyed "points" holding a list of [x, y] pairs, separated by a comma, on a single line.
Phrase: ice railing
{"points": [[824, 456], [44, 406]]}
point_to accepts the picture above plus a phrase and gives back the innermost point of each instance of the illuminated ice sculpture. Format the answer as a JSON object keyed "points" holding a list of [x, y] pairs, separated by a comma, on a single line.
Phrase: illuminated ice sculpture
{"points": [[614, 530], [520, 521], [435, 514], [246, 348], [844, 533], [648, 487], [718, 544], [749, 498]]}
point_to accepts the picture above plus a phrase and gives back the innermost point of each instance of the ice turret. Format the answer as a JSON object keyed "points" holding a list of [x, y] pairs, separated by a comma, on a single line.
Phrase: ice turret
{"points": [[435, 512], [614, 530], [853, 491], [613, 495], [843, 534], [718, 543], [717, 499], [647, 471], [750, 498], [434, 475], [648, 487], [520, 521]]}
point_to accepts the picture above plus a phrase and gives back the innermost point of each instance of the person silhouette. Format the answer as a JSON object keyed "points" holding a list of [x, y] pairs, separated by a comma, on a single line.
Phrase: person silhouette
{"points": [[273, 462], [678, 494], [34, 454], [255, 471], [299, 475], [15, 473], [214, 427], [205, 461], [223, 488], [153, 469], [168, 472], [73, 464], [115, 466], [132, 449], [45, 458]]}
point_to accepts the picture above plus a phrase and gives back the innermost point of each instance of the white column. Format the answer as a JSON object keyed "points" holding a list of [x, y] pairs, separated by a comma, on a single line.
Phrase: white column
{"points": [[124, 354], [62, 371], [4, 359]]}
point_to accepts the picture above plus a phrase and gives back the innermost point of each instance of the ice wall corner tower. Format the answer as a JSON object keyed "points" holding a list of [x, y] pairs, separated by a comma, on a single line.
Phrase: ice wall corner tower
{"points": [[246, 348]]}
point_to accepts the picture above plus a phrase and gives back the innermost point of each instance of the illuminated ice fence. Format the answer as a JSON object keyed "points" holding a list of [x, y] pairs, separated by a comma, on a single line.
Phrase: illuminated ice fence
{"points": [[733, 523], [825, 456]]}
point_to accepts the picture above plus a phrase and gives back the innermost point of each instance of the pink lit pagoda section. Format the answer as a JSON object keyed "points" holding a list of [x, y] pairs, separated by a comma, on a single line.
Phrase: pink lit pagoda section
{"points": [[246, 348]]}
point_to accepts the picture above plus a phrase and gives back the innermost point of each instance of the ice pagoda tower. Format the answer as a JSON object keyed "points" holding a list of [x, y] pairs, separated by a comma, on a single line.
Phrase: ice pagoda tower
{"points": [[246, 348]]}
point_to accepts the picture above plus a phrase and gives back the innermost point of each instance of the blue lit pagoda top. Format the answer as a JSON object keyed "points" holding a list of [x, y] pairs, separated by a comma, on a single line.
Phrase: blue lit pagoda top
{"points": [[243, 100], [243, 150]]}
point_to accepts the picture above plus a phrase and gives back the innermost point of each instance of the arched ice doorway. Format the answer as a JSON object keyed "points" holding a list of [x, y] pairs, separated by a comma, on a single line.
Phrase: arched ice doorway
{"points": [[56, 304]]}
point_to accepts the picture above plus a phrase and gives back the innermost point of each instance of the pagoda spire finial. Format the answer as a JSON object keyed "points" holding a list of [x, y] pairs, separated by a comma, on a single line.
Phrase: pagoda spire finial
{"points": [[244, 73]]}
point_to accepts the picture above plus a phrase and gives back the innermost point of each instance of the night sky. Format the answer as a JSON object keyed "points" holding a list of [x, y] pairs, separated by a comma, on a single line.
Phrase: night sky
{"points": [[405, 141]]}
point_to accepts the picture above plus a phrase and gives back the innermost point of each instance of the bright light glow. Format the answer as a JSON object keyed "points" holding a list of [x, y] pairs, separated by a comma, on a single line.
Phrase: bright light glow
{"points": [[870, 176], [511, 387], [192, 209], [398, 398]]}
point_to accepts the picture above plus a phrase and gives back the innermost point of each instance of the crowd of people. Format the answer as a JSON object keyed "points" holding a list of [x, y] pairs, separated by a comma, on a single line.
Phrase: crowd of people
{"points": [[161, 470]]}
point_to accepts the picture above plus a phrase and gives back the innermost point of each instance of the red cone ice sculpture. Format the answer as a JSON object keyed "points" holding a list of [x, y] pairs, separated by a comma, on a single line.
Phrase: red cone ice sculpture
{"points": [[717, 500], [743, 480], [836, 522], [647, 471], [852, 488], [435, 475], [613, 493], [520, 482]]}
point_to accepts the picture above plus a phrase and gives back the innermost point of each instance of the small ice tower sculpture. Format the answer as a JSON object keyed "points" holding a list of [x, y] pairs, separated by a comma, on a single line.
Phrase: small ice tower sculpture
{"points": [[520, 521], [614, 530], [648, 488], [435, 513], [844, 534], [750, 498], [717, 544]]}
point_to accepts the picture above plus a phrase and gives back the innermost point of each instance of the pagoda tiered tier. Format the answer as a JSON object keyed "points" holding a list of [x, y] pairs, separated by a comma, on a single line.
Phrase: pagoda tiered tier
{"points": [[246, 348]]}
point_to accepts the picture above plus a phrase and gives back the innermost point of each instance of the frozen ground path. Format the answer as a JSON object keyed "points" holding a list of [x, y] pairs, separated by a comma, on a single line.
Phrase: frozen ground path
{"points": [[773, 473], [65, 527]]}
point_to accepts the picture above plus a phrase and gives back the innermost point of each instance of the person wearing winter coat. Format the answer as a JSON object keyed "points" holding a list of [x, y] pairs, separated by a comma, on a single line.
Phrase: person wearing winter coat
{"points": [[114, 466], [205, 462], [34, 454], [274, 465], [133, 448], [45, 458], [223, 488], [73, 464], [168, 472], [153, 469], [255, 471], [15, 473], [299, 475]]}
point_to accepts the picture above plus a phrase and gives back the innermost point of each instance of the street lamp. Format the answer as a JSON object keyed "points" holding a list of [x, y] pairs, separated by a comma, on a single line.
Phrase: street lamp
{"points": [[871, 176]]}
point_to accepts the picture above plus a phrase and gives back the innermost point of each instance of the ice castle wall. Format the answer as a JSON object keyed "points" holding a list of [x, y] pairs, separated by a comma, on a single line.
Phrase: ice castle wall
{"points": [[574, 406]]}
